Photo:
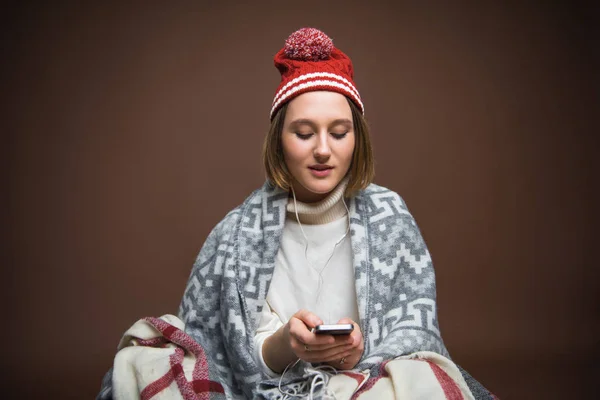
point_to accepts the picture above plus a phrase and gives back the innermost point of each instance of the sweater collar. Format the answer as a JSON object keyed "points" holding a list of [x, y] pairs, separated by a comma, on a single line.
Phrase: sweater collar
{"points": [[330, 209]]}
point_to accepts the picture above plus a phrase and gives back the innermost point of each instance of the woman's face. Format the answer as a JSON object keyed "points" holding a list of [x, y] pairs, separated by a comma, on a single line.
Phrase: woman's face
{"points": [[318, 143]]}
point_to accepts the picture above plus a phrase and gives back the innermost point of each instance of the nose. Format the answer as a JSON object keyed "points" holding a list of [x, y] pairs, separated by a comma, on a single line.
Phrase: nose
{"points": [[322, 149]]}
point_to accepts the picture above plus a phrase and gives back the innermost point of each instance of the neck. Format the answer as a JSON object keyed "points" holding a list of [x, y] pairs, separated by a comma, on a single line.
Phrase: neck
{"points": [[326, 210]]}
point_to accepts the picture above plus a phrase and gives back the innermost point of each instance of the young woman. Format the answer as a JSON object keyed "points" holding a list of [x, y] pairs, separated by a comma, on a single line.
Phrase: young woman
{"points": [[319, 244]]}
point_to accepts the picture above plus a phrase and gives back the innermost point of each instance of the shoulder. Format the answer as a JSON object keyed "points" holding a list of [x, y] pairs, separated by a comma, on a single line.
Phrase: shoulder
{"points": [[227, 225], [376, 196], [229, 222], [390, 222], [233, 218]]}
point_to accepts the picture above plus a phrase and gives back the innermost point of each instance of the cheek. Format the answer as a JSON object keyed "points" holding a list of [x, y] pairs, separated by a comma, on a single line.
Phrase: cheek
{"points": [[293, 153], [290, 157], [349, 150]]}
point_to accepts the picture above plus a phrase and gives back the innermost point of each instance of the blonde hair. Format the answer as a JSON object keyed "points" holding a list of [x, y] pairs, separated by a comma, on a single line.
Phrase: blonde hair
{"points": [[362, 167]]}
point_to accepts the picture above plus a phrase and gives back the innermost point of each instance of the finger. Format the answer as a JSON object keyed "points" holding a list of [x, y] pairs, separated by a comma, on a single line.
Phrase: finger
{"points": [[322, 347], [349, 321], [333, 341], [316, 352], [315, 341], [355, 337], [337, 357], [331, 354], [302, 350], [303, 341], [310, 354], [309, 318], [300, 332]]}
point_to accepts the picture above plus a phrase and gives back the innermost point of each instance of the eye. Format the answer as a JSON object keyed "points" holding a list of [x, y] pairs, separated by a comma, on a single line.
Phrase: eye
{"points": [[339, 136], [303, 136]]}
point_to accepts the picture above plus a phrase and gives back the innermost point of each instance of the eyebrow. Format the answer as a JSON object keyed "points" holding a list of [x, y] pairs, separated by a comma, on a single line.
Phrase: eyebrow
{"points": [[305, 121]]}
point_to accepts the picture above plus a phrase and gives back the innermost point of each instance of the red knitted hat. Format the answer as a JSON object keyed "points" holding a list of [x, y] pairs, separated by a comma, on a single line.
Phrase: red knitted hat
{"points": [[309, 61]]}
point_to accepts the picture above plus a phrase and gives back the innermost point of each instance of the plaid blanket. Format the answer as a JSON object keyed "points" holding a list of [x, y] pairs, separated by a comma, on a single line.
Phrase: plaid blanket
{"points": [[419, 376], [158, 360]]}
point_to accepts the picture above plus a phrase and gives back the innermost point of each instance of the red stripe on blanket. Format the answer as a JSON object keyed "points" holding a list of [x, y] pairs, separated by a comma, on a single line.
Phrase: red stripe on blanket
{"points": [[177, 369], [203, 386], [199, 374], [185, 388], [182, 339], [157, 386], [169, 330], [451, 389], [155, 342]]}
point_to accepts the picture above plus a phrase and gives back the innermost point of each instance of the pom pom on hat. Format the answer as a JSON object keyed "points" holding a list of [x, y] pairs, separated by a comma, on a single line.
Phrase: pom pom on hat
{"points": [[308, 44]]}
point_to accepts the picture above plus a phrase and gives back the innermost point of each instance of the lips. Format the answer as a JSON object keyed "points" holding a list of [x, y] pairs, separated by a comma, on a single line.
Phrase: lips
{"points": [[320, 171], [320, 167]]}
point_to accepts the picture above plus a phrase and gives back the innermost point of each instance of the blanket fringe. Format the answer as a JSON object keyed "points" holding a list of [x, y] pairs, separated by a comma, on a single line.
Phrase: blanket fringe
{"points": [[313, 386]]}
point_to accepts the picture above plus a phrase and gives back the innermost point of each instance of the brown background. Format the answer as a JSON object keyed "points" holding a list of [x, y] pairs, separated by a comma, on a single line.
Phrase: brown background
{"points": [[130, 130]]}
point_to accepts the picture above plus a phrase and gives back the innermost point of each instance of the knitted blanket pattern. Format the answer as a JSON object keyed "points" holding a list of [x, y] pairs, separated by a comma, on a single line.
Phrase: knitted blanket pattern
{"points": [[394, 278]]}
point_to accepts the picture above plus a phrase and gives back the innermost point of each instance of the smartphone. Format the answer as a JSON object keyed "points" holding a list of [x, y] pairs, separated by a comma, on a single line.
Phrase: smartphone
{"points": [[334, 329]]}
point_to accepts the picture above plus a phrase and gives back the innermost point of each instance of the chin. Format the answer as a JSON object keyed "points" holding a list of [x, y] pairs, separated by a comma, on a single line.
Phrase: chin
{"points": [[321, 187]]}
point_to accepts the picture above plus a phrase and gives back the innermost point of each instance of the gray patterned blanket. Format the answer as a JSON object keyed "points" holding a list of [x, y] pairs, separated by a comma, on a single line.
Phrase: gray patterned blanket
{"points": [[395, 285]]}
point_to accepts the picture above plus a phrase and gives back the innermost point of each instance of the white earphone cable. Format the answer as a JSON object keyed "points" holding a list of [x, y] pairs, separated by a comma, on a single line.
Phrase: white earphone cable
{"points": [[317, 380]]}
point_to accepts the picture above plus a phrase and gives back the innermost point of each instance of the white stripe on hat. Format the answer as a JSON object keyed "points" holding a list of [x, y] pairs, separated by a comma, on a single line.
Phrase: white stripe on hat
{"points": [[281, 97], [316, 75]]}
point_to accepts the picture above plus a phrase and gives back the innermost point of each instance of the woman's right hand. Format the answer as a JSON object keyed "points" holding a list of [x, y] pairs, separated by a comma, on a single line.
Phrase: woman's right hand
{"points": [[311, 347]]}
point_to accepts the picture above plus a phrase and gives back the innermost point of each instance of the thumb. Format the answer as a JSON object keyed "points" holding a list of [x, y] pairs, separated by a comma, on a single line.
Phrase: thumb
{"points": [[309, 319]]}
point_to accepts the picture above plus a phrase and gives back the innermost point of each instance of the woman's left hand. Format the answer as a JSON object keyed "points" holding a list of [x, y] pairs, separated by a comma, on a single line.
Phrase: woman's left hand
{"points": [[352, 355]]}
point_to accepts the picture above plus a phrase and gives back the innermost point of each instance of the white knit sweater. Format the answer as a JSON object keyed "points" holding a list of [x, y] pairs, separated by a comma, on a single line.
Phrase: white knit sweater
{"points": [[326, 289]]}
